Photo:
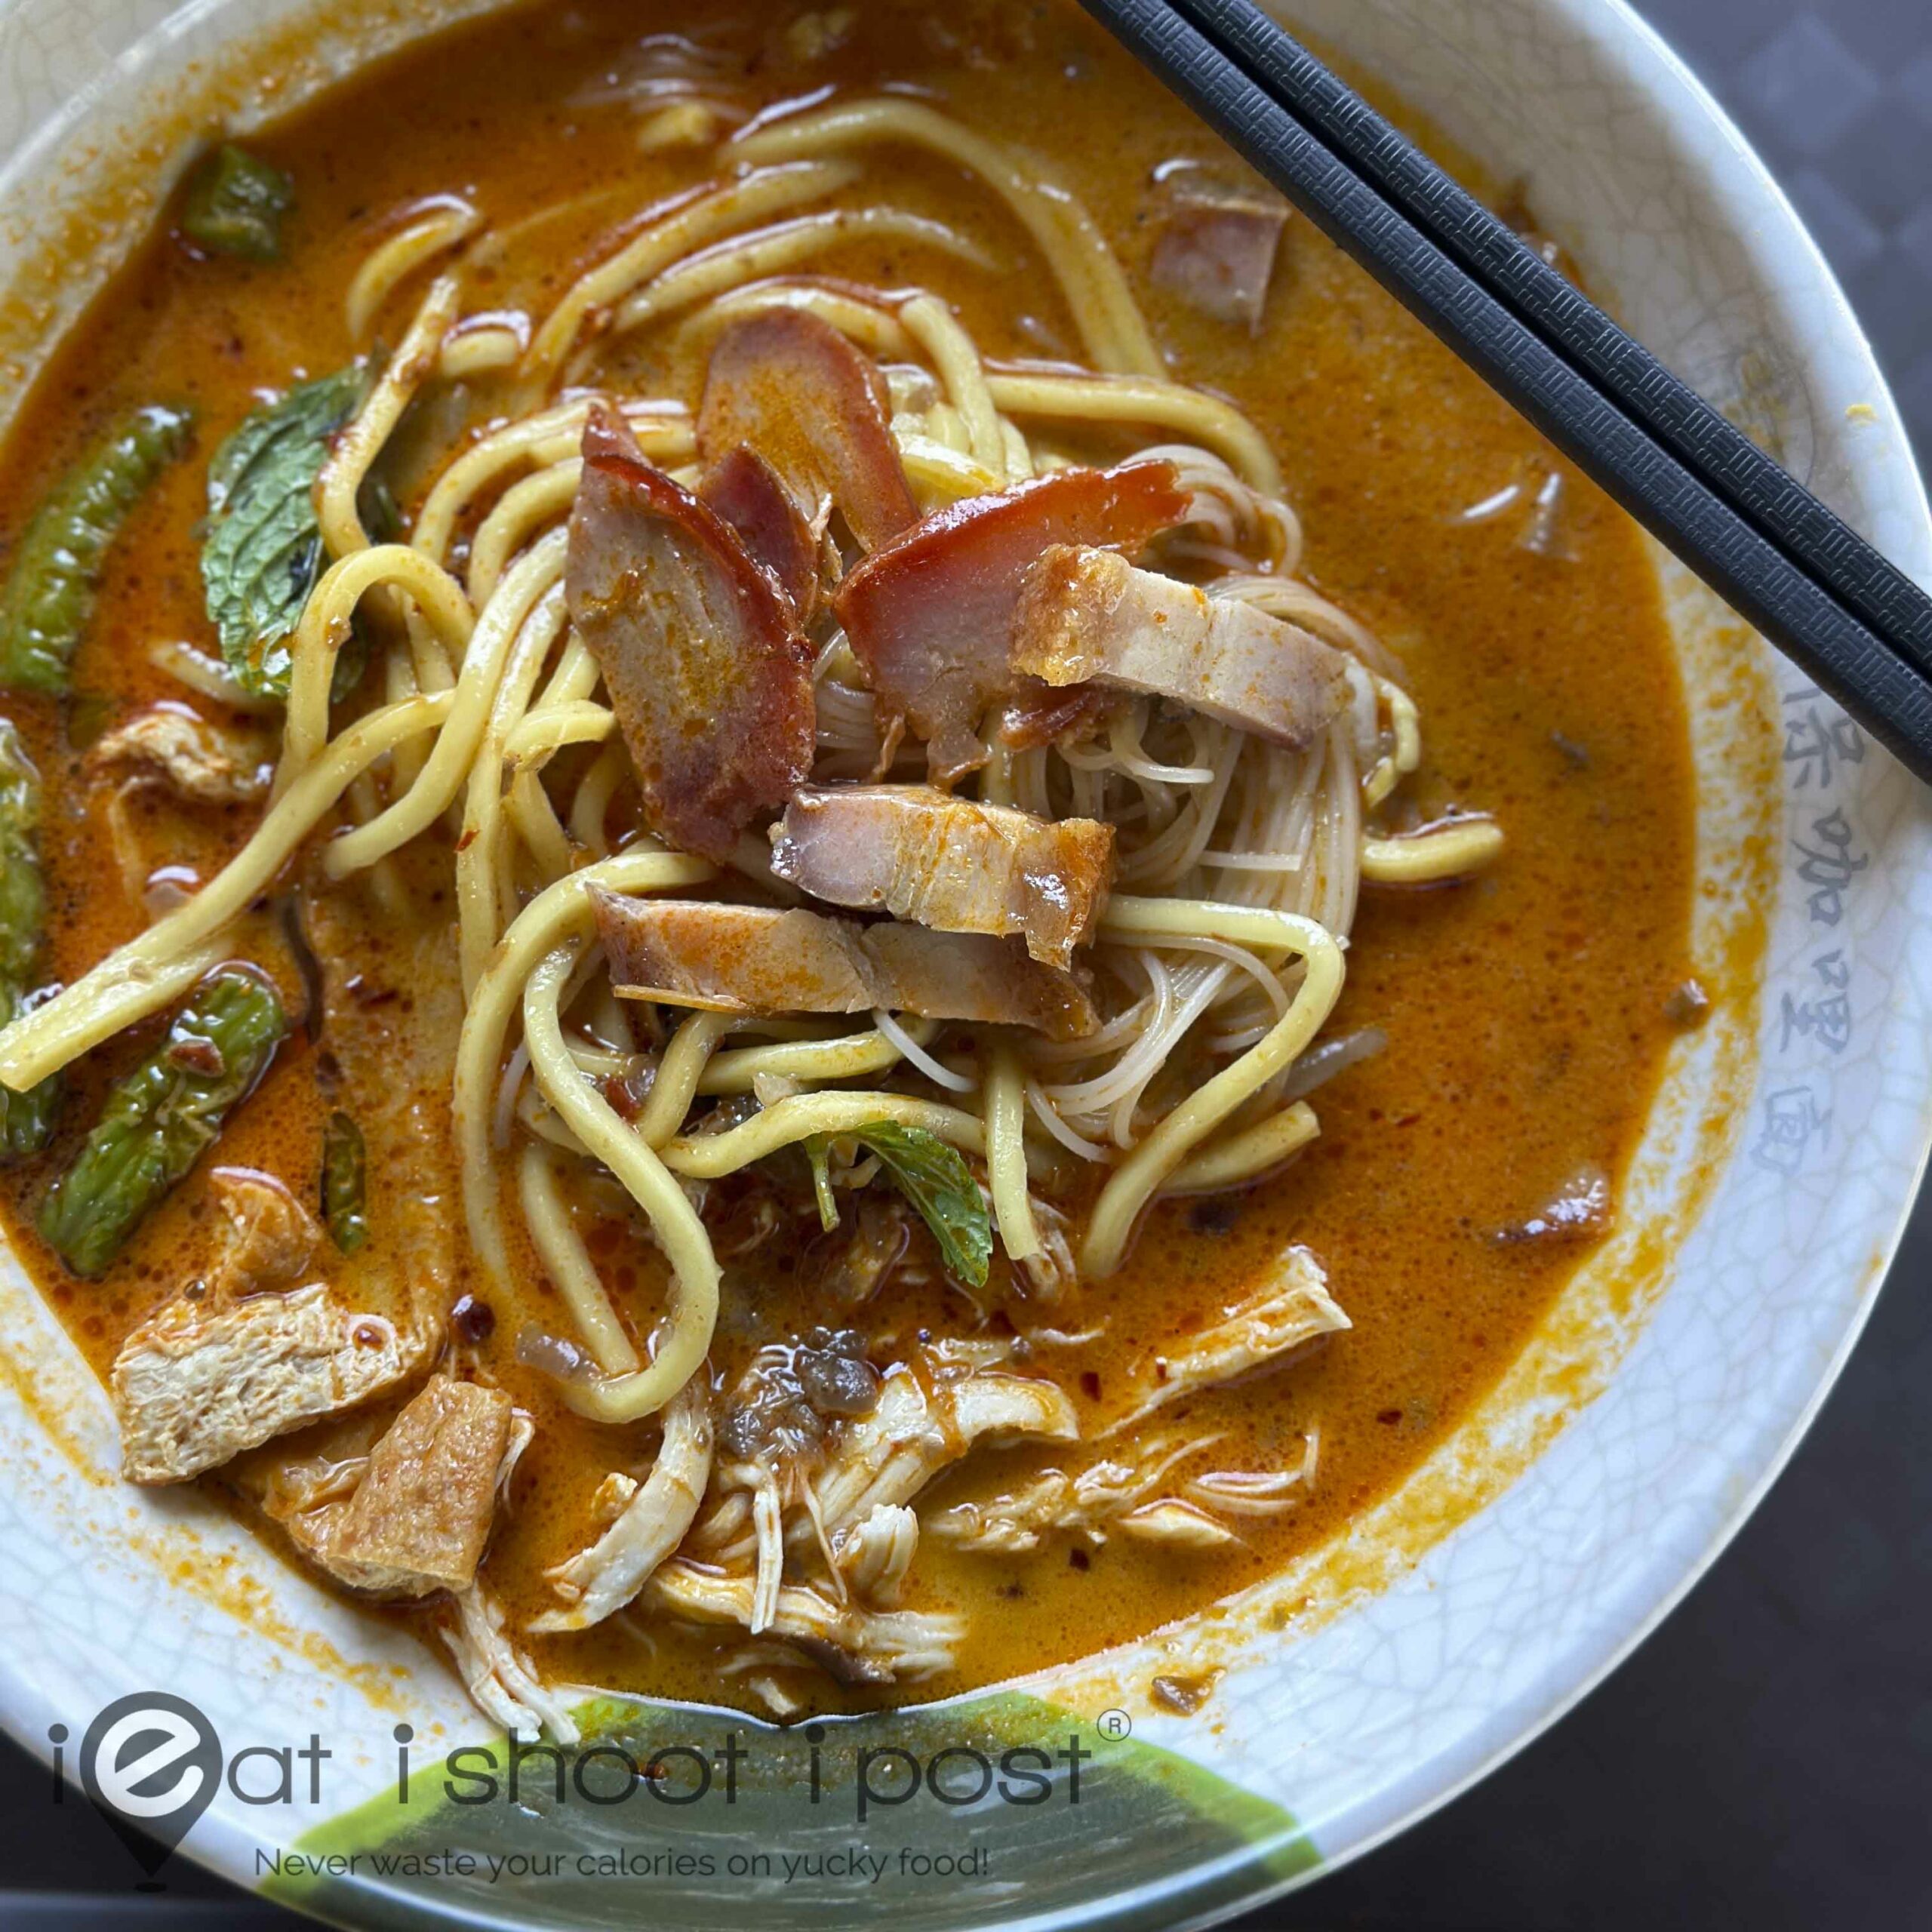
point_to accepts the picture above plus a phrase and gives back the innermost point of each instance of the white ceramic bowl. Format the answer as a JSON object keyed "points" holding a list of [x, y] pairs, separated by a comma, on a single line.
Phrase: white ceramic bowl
{"points": [[1567, 1515]]}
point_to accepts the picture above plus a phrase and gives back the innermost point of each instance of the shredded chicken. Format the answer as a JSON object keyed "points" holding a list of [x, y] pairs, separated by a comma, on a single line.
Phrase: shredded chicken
{"points": [[1052, 1274], [857, 1646], [1088, 616], [920, 854], [611, 1498], [650, 1524], [497, 1675], [755, 959], [1180, 1525], [922, 1424], [709, 676], [775, 1429], [1120, 1493], [849, 1497], [196, 1384], [1269, 1324], [928, 615], [782, 1703], [417, 1520], [1056, 1503], [768, 1534], [878, 1551], [176, 747], [1255, 1492], [1216, 246]]}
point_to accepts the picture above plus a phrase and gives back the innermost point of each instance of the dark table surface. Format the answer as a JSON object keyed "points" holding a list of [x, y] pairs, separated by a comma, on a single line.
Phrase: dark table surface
{"points": [[1765, 1760]]}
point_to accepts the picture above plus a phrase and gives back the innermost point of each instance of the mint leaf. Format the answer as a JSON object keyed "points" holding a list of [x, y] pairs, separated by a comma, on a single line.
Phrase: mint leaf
{"points": [[937, 1181], [264, 549]]}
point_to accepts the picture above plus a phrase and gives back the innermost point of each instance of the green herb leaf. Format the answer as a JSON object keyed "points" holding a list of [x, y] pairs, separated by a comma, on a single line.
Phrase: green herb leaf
{"points": [[88, 715], [159, 1121], [818, 1147], [49, 597], [263, 550], [375, 504], [937, 1181], [345, 1183], [235, 203]]}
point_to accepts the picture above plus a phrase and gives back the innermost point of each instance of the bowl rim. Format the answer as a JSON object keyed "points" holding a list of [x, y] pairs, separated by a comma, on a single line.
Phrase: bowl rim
{"points": [[1630, 47], [1619, 32]]}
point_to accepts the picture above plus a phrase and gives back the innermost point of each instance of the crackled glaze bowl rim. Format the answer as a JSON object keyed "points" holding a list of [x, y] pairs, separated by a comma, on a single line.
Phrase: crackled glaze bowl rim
{"points": [[1602, 47], [1791, 263]]}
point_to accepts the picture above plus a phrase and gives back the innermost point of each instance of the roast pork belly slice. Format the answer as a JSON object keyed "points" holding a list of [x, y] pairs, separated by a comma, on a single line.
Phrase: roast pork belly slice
{"points": [[1088, 616], [788, 385], [756, 959], [709, 675], [1216, 249], [921, 854], [1037, 715], [418, 1520], [929, 617], [197, 1382]]}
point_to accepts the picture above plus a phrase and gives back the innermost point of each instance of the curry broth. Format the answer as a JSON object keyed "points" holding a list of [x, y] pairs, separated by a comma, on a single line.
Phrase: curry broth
{"points": [[1525, 1013]]}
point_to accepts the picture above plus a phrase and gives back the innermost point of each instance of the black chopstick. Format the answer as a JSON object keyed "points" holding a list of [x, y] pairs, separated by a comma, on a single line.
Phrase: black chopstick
{"points": [[1856, 625], [1565, 317]]}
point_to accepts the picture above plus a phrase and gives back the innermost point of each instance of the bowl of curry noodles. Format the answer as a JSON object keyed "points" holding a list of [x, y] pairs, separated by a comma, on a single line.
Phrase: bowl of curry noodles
{"points": [[872, 1004]]}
